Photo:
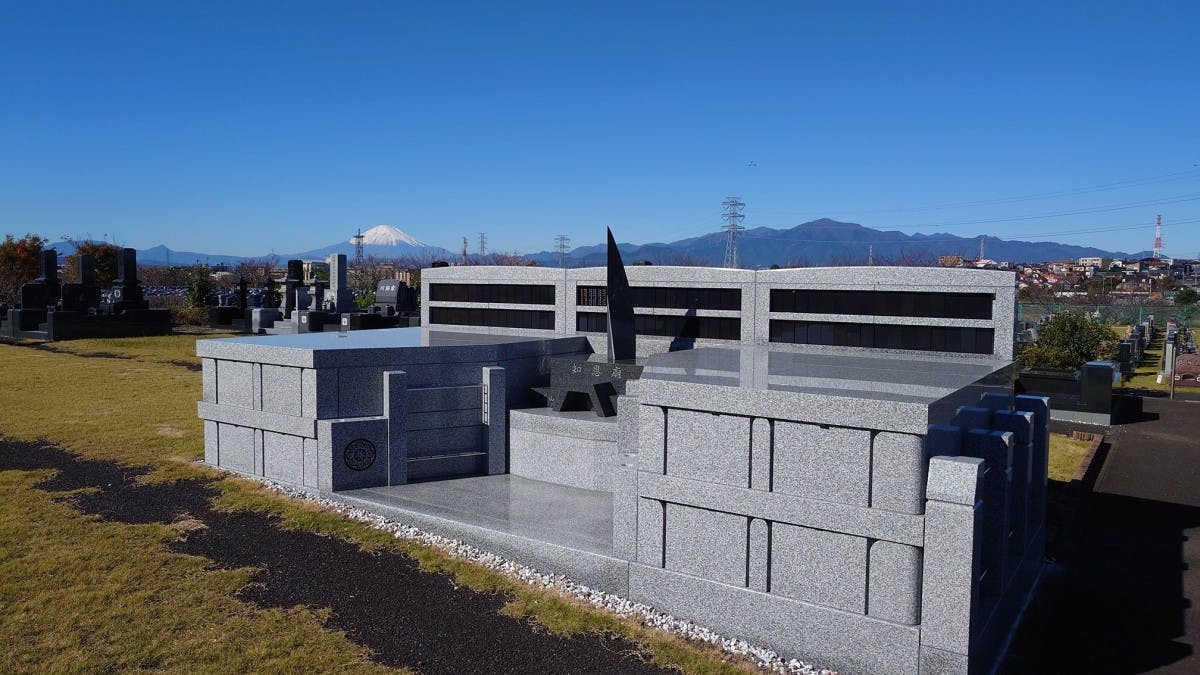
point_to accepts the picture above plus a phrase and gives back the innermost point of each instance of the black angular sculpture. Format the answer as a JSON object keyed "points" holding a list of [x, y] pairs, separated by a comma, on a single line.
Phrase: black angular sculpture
{"points": [[589, 383], [622, 340]]}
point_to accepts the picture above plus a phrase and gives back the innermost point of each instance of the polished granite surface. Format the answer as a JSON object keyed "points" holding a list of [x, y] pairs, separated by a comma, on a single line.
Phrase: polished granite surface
{"points": [[567, 516], [383, 338], [890, 376]]}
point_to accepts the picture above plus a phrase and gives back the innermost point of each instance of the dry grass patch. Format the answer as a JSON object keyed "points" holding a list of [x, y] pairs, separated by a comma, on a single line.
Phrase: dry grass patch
{"points": [[1066, 454], [165, 611], [83, 595]]}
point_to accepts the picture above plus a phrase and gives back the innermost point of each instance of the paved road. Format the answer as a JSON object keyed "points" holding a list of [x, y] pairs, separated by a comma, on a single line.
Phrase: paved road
{"points": [[1125, 596]]}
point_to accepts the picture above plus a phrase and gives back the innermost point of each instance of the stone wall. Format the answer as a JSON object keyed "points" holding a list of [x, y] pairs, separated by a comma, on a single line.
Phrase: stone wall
{"points": [[754, 311], [867, 546]]}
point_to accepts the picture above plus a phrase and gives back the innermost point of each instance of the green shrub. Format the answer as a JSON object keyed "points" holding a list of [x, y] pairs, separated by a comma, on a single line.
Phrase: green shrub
{"points": [[189, 316], [200, 286], [1068, 340]]}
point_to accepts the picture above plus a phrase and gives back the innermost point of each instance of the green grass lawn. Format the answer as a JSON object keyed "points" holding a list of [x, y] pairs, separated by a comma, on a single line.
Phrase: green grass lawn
{"points": [[81, 594], [1145, 376], [1066, 454]]}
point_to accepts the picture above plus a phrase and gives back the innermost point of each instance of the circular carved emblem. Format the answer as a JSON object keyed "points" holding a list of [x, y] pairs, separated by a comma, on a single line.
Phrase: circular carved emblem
{"points": [[359, 454]]}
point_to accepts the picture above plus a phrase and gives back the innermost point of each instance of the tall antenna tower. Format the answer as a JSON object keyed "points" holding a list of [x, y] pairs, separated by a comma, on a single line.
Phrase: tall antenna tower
{"points": [[1158, 237], [358, 248], [733, 224], [981, 247], [870, 255], [482, 244], [560, 244], [464, 251]]}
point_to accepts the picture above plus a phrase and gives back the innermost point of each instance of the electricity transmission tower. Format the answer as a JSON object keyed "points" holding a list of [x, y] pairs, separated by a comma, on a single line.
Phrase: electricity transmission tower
{"points": [[482, 244], [358, 248], [560, 244], [733, 224]]}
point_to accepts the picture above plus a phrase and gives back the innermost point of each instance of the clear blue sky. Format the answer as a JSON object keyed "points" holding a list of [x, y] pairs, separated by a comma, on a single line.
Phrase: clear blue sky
{"points": [[243, 127]]}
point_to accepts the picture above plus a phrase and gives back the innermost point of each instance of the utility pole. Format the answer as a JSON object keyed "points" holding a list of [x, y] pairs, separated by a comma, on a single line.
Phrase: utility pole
{"points": [[733, 224], [482, 244], [560, 244], [464, 251]]}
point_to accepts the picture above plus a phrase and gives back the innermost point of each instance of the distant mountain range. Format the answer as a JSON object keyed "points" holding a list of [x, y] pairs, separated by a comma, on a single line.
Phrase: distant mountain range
{"points": [[820, 242], [829, 242], [381, 241]]}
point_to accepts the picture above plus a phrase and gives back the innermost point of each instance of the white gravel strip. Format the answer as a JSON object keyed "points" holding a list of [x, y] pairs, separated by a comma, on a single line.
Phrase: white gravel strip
{"points": [[765, 658]]}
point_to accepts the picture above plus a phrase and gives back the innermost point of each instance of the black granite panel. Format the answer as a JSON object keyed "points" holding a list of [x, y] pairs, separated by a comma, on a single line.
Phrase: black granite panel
{"points": [[666, 298], [883, 336], [492, 318], [689, 327], [511, 294], [883, 303]]}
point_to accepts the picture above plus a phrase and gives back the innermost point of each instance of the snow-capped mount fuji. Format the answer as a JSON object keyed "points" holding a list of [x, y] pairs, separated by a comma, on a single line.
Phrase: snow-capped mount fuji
{"points": [[381, 241], [387, 235]]}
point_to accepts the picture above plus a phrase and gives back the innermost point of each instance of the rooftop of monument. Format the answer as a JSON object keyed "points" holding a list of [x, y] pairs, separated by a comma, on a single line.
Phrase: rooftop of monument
{"points": [[364, 347], [916, 378]]}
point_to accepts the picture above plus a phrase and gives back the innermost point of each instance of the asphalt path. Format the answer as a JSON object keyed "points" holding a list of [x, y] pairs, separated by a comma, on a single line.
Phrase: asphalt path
{"points": [[1124, 593]]}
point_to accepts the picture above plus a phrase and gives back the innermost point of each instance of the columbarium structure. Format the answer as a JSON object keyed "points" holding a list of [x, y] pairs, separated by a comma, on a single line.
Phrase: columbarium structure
{"points": [[829, 462]]}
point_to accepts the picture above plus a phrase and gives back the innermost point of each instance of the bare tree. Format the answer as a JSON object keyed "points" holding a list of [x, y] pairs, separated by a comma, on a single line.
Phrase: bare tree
{"points": [[256, 271]]}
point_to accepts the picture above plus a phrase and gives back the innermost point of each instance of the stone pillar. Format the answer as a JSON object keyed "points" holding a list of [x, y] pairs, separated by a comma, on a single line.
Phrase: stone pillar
{"points": [[995, 448], [395, 408], [625, 480], [495, 417], [1038, 463], [951, 564], [1021, 426]]}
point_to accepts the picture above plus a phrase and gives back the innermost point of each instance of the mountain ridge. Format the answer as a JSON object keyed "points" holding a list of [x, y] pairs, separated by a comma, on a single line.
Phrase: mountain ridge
{"points": [[826, 241], [819, 242]]}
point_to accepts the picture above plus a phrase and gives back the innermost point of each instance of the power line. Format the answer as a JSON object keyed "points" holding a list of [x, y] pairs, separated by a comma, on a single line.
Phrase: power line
{"points": [[1005, 236], [733, 224], [1103, 187]]}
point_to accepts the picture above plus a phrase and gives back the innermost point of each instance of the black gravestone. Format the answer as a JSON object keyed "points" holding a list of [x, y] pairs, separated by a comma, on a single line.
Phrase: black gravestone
{"points": [[49, 277], [293, 280], [1095, 382], [270, 298], [126, 291]]}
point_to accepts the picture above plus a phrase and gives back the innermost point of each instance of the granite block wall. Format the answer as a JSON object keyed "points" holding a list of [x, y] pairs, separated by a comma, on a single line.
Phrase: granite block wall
{"points": [[923, 545], [268, 417]]}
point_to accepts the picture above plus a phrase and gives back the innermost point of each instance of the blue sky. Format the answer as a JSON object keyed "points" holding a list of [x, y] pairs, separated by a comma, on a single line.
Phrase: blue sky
{"points": [[247, 127]]}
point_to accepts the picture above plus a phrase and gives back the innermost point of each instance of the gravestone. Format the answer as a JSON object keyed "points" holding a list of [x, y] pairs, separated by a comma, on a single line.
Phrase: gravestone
{"points": [[341, 299], [270, 298], [49, 277], [126, 291], [1096, 384], [293, 281], [1187, 369]]}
